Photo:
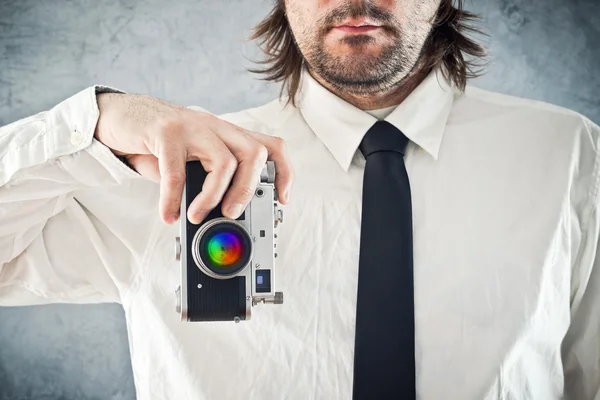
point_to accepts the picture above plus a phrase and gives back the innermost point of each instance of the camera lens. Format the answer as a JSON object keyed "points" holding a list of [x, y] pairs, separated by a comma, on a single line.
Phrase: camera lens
{"points": [[222, 248]]}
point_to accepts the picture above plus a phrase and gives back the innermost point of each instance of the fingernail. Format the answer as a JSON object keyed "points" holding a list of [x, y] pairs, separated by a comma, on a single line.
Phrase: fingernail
{"points": [[173, 218], [235, 210], [193, 218], [286, 196]]}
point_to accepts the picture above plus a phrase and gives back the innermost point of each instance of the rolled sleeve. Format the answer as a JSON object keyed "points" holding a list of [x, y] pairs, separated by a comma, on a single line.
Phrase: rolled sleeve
{"points": [[65, 129], [67, 208]]}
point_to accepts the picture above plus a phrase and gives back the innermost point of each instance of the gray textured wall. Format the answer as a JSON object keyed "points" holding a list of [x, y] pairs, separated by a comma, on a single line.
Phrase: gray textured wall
{"points": [[186, 52]]}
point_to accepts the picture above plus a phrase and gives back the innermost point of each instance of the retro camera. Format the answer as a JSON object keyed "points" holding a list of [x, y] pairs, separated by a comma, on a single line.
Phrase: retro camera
{"points": [[227, 266]]}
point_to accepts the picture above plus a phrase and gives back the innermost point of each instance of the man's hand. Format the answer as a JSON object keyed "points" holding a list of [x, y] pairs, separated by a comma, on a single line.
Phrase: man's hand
{"points": [[158, 138]]}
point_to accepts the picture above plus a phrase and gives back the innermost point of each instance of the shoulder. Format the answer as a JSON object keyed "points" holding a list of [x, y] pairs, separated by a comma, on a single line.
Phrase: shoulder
{"points": [[499, 110], [536, 127]]}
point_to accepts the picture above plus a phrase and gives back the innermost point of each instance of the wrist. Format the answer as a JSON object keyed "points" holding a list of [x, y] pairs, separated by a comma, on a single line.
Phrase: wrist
{"points": [[103, 95], [102, 131]]}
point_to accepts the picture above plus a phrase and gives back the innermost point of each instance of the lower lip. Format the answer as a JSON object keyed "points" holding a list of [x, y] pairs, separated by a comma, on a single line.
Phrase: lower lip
{"points": [[357, 29]]}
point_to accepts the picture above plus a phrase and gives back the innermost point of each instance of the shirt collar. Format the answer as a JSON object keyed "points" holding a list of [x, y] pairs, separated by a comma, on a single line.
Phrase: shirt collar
{"points": [[341, 126]]}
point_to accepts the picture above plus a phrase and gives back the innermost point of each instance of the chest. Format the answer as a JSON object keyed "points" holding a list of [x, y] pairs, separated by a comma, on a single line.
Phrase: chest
{"points": [[491, 261], [490, 266]]}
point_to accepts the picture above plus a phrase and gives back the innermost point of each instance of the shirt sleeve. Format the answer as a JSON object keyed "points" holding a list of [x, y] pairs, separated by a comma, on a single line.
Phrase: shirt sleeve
{"points": [[581, 346], [68, 206]]}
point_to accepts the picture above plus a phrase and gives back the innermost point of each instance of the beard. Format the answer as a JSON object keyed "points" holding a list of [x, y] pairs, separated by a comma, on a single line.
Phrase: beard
{"points": [[360, 72]]}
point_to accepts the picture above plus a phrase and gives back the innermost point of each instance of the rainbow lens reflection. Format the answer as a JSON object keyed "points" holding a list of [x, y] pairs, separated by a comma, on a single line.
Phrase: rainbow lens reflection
{"points": [[224, 249]]}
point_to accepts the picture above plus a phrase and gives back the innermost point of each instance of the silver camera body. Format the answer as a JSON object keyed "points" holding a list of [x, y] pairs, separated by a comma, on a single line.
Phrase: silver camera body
{"points": [[228, 266]]}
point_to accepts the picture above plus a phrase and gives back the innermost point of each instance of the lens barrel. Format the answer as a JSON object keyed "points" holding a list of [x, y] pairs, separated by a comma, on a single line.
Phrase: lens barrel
{"points": [[222, 248]]}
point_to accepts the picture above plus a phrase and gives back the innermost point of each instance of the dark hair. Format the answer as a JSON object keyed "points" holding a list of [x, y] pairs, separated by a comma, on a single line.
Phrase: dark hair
{"points": [[447, 47]]}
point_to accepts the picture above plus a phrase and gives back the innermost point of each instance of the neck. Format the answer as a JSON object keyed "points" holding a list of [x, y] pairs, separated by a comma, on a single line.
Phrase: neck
{"points": [[377, 100]]}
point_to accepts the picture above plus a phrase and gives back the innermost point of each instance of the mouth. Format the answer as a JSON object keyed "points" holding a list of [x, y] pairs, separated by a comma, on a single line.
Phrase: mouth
{"points": [[357, 26]]}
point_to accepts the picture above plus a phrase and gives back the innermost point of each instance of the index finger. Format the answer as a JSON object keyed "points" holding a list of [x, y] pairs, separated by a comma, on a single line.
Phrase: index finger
{"points": [[284, 173]]}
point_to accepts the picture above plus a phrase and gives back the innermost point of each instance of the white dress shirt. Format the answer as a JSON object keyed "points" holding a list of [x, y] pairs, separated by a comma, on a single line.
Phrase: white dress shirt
{"points": [[506, 226]]}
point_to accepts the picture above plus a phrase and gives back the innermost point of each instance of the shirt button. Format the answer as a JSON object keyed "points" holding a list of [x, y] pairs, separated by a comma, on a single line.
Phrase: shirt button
{"points": [[76, 137]]}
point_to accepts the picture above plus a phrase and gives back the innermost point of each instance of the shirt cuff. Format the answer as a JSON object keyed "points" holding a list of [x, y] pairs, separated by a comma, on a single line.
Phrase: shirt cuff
{"points": [[72, 123], [106, 89]]}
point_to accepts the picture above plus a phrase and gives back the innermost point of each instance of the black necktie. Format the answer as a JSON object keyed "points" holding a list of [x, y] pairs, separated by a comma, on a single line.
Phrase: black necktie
{"points": [[384, 355]]}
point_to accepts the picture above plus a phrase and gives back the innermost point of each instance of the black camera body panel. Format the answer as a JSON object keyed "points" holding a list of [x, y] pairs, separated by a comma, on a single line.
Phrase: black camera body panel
{"points": [[217, 299]]}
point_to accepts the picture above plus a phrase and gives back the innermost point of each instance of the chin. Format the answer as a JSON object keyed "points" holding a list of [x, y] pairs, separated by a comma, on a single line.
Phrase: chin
{"points": [[362, 63], [358, 75]]}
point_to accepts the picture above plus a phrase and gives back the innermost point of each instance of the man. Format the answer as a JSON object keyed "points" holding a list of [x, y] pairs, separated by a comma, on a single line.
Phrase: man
{"points": [[503, 200]]}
